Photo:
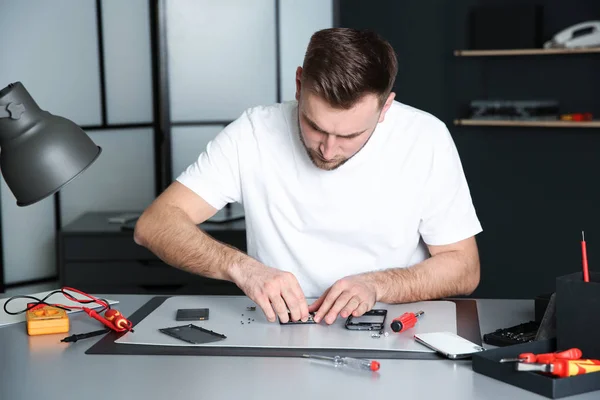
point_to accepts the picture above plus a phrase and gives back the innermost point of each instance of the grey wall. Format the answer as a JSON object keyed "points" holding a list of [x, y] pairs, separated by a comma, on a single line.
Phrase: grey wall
{"points": [[216, 79], [52, 47], [127, 61], [222, 59], [121, 179]]}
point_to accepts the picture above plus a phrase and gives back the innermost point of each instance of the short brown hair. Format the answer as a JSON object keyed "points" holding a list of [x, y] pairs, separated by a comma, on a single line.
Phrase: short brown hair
{"points": [[341, 65]]}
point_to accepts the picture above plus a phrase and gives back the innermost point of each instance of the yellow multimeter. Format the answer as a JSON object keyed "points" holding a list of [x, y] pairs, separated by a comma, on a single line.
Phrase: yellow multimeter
{"points": [[45, 320]]}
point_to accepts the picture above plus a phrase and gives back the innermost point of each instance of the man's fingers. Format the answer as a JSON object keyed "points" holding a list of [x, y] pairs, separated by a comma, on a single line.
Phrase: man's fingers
{"points": [[303, 309], [350, 307], [294, 297], [361, 309], [302, 305], [317, 304], [280, 308], [292, 304], [340, 303], [332, 295], [265, 304]]}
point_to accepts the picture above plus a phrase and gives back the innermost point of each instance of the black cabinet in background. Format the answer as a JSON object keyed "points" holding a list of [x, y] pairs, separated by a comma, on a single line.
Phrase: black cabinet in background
{"points": [[101, 257], [534, 189]]}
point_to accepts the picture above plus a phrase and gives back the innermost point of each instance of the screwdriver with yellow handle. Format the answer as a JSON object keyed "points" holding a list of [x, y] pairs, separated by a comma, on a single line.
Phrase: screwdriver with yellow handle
{"points": [[571, 354], [562, 367]]}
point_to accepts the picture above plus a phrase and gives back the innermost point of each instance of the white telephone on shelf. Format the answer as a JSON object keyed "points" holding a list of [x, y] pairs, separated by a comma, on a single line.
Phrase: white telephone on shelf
{"points": [[584, 34]]}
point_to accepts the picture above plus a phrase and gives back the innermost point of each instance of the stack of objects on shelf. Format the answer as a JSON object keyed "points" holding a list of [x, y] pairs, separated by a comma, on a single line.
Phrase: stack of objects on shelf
{"points": [[514, 110]]}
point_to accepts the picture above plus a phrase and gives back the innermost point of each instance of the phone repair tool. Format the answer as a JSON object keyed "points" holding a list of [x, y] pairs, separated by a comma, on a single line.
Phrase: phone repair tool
{"points": [[586, 275], [355, 363], [571, 354], [76, 337], [562, 368], [405, 321]]}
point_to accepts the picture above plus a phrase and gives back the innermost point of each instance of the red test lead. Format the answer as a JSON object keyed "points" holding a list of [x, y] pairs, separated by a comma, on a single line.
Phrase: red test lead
{"points": [[586, 275]]}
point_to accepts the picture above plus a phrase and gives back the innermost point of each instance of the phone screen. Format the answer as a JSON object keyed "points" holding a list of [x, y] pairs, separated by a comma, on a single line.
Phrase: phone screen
{"points": [[448, 343]]}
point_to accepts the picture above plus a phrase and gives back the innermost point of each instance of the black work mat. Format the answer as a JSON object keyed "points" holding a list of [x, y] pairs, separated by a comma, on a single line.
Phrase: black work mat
{"points": [[467, 326]]}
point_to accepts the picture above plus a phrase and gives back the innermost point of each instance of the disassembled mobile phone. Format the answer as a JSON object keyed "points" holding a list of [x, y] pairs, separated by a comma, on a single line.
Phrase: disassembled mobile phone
{"points": [[310, 320], [192, 314], [193, 334], [373, 320], [448, 344]]}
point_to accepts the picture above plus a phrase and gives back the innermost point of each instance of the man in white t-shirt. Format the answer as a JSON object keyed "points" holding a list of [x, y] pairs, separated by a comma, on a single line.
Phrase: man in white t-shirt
{"points": [[350, 197]]}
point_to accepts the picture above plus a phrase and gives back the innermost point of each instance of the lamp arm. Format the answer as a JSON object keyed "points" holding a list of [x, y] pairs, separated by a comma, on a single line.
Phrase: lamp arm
{"points": [[12, 110]]}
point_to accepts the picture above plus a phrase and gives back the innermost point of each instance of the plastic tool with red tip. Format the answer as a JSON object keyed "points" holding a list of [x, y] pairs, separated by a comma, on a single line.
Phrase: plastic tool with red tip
{"points": [[356, 363]]}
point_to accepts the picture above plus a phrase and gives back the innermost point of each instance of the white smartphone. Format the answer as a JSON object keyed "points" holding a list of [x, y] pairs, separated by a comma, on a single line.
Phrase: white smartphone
{"points": [[449, 344]]}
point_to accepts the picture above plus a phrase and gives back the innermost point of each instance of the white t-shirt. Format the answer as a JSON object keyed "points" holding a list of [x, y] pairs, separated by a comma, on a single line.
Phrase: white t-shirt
{"points": [[406, 186]]}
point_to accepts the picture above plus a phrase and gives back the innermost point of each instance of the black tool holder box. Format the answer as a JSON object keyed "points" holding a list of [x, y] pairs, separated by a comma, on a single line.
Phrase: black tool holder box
{"points": [[577, 325], [488, 363]]}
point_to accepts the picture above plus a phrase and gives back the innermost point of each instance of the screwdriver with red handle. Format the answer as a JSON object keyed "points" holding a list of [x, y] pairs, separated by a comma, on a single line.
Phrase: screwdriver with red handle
{"points": [[545, 358], [405, 321], [562, 367]]}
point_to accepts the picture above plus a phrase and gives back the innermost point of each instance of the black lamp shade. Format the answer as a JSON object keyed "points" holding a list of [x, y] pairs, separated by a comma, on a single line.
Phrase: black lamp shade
{"points": [[39, 152]]}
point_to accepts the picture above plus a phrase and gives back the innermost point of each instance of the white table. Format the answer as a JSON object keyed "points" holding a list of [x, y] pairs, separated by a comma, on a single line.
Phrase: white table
{"points": [[43, 368]]}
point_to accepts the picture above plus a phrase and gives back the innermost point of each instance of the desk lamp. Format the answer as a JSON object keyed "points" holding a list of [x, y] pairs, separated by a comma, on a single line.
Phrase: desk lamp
{"points": [[39, 152]]}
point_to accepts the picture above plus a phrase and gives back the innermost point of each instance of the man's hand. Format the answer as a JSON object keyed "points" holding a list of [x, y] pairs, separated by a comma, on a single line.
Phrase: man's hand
{"points": [[275, 291], [354, 295]]}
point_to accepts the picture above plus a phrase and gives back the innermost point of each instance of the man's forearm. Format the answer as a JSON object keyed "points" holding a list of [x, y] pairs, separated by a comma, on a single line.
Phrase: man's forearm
{"points": [[176, 240], [443, 275]]}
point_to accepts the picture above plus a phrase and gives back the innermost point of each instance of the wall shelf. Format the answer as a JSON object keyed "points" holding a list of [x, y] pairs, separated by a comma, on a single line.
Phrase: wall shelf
{"points": [[543, 124], [523, 52]]}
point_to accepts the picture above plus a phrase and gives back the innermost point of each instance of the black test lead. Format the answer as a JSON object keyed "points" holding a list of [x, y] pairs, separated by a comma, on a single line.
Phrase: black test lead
{"points": [[74, 338]]}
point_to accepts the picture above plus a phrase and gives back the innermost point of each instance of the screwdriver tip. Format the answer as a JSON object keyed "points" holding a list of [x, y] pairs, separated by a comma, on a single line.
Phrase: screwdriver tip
{"points": [[582, 236]]}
